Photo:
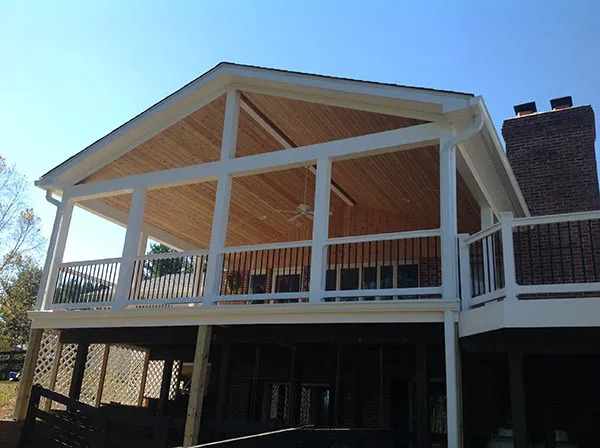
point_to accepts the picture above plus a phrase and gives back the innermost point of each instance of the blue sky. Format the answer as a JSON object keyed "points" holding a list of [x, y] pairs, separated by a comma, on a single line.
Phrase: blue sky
{"points": [[73, 71]]}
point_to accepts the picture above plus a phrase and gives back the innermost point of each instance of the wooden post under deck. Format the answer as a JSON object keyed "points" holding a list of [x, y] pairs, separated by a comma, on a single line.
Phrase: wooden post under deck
{"points": [[517, 398], [78, 370], [422, 386], [33, 349], [194, 412], [165, 385]]}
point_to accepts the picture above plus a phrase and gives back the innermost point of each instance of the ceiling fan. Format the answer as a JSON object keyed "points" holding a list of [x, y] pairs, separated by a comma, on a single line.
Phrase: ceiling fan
{"points": [[303, 210]]}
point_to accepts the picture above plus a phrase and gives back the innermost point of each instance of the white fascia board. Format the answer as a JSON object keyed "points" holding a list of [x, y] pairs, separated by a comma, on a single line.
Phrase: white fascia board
{"points": [[416, 311], [539, 313], [116, 216], [426, 104], [505, 168], [413, 98]]}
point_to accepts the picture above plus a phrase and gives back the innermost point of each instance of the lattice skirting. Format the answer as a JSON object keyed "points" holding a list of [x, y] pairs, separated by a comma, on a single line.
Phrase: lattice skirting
{"points": [[115, 373]]}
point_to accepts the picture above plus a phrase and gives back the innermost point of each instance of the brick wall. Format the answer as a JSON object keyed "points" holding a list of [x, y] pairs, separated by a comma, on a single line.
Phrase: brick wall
{"points": [[552, 156]]}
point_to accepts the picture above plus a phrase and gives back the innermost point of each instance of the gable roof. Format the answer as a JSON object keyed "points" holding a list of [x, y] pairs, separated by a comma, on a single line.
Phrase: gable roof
{"points": [[225, 73]]}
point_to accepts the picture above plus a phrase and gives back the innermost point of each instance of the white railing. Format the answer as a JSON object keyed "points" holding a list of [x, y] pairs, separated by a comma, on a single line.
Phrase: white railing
{"points": [[401, 266], [542, 256]]}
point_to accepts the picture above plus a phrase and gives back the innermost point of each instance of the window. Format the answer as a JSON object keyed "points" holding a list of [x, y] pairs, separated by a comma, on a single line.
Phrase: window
{"points": [[369, 280], [288, 283], [387, 277], [408, 276], [349, 279], [258, 284], [276, 403], [331, 280]]}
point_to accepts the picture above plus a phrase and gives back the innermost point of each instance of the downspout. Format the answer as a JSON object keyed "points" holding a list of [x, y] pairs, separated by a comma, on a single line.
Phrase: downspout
{"points": [[44, 279], [473, 129]]}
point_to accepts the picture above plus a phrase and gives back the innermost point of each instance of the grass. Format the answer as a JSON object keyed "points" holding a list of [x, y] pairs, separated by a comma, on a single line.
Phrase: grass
{"points": [[8, 391]]}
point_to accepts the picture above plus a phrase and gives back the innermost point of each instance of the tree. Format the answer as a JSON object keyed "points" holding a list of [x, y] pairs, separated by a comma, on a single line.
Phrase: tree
{"points": [[20, 235], [165, 266], [17, 296]]}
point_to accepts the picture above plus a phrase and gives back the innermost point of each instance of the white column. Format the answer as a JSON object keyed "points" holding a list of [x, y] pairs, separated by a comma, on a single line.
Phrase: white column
{"points": [[448, 219], [58, 241], [508, 253], [452, 386], [214, 264], [138, 273], [487, 220], [487, 217], [320, 230], [130, 248]]}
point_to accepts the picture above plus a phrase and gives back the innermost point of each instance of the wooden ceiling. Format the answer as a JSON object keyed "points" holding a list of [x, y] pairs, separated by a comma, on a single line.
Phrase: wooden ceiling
{"points": [[393, 192]]}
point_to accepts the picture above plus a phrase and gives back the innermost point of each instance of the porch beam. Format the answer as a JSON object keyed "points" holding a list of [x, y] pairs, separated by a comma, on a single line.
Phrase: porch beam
{"points": [[264, 122], [382, 142]]}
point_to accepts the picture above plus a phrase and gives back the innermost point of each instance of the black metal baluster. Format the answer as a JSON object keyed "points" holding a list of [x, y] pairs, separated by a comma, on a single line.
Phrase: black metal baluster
{"points": [[519, 273], [589, 221], [583, 266], [551, 255], [530, 255], [289, 283], [540, 252], [562, 262], [571, 252]]}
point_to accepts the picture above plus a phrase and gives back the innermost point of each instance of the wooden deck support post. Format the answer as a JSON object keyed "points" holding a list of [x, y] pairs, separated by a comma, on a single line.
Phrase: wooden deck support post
{"points": [[102, 375], [78, 370], [33, 349], [517, 398], [54, 371], [194, 412], [165, 385]]}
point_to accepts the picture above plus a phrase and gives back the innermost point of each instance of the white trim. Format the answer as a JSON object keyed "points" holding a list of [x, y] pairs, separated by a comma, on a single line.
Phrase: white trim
{"points": [[71, 264], [452, 385], [558, 288], [481, 234], [383, 237], [487, 297], [265, 296], [508, 255], [550, 219], [268, 246], [167, 255], [538, 313], [448, 218], [80, 305], [384, 292], [422, 310]]}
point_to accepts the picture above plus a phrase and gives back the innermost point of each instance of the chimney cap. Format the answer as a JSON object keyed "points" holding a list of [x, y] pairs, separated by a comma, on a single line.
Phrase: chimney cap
{"points": [[525, 109], [563, 102]]}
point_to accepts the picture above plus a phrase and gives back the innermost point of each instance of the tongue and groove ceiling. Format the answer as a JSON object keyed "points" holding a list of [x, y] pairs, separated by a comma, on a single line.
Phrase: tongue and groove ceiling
{"points": [[392, 192]]}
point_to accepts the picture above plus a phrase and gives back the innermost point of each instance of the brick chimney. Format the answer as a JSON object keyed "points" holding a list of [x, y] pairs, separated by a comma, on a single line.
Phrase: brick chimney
{"points": [[552, 156]]}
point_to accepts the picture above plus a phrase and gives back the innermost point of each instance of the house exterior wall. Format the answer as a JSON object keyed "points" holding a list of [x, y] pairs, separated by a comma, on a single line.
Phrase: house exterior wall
{"points": [[552, 156]]}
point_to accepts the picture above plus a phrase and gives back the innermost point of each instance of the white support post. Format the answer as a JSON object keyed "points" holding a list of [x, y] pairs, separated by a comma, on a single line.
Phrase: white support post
{"points": [[138, 273], [56, 251], [131, 247], [214, 264], [508, 256], [448, 219], [320, 230], [465, 272], [452, 385], [487, 220]]}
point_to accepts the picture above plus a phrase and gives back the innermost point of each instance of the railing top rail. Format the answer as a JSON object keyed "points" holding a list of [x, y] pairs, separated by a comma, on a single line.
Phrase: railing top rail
{"points": [[71, 264], [167, 255], [482, 234], [286, 245], [563, 217], [383, 236]]}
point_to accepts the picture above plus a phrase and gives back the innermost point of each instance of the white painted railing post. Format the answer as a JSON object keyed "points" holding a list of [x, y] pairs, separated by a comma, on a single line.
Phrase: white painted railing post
{"points": [[138, 273], [130, 248], [508, 256], [465, 272], [320, 230], [214, 264], [452, 385], [448, 219], [58, 241]]}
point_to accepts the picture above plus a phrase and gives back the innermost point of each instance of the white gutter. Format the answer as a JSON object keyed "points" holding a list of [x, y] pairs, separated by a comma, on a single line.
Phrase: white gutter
{"points": [[473, 129], [50, 199]]}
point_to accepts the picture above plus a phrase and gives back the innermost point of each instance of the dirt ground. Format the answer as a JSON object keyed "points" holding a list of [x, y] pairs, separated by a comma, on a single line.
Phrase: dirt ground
{"points": [[9, 430]]}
